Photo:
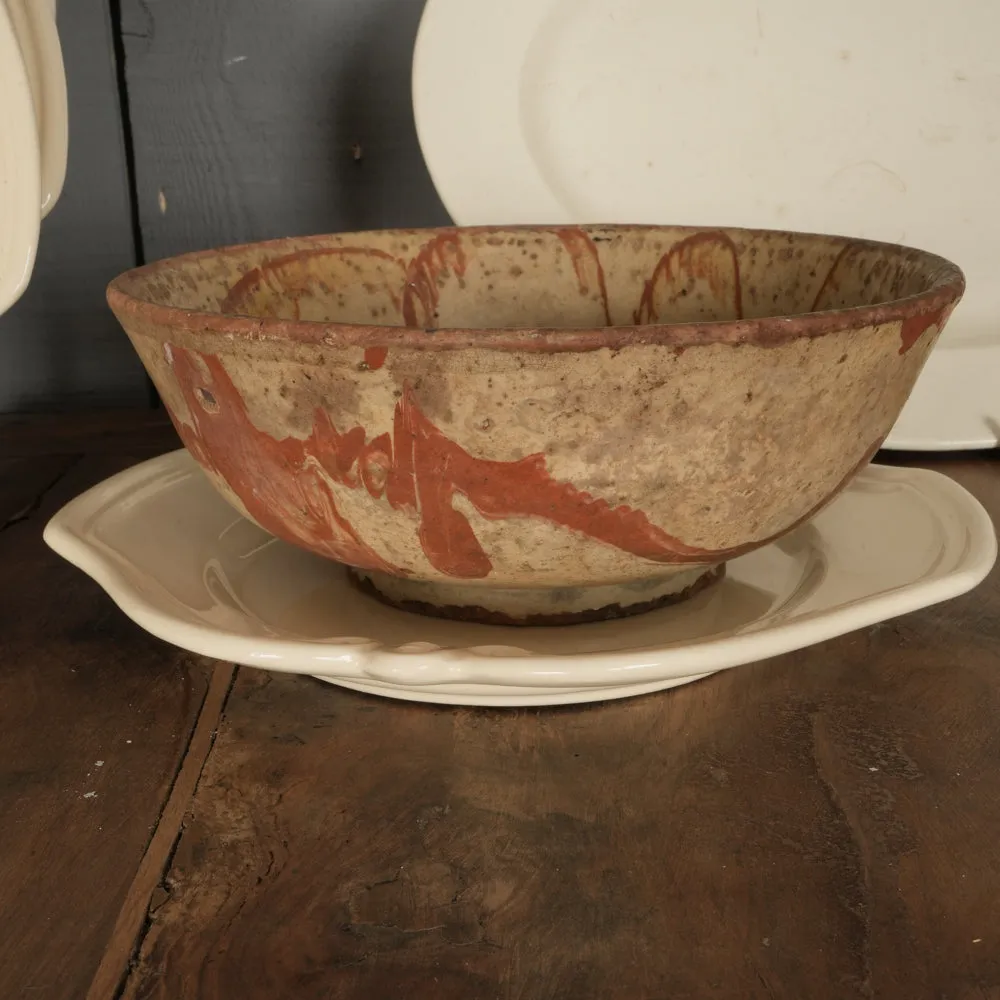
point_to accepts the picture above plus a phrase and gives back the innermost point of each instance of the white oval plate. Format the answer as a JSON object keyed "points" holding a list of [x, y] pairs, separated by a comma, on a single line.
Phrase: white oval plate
{"points": [[869, 120], [181, 563]]}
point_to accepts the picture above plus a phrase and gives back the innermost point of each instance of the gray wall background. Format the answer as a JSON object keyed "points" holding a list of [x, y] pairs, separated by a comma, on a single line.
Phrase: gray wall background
{"points": [[195, 123]]}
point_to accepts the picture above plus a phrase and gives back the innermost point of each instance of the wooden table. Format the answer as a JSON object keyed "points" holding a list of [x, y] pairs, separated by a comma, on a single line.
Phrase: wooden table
{"points": [[825, 824]]}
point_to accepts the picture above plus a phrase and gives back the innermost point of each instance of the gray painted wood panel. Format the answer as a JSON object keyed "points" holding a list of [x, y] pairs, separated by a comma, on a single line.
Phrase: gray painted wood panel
{"points": [[250, 119], [60, 346], [260, 118]]}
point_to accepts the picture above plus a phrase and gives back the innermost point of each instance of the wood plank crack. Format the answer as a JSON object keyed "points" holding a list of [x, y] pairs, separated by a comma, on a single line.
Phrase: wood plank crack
{"points": [[33, 505], [126, 938]]}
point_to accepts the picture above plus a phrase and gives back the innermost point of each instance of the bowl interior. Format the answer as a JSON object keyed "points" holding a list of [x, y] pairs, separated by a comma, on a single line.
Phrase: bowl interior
{"points": [[539, 277]]}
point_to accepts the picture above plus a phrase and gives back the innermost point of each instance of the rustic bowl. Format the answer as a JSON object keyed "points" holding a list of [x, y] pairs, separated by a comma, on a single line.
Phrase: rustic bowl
{"points": [[536, 424]]}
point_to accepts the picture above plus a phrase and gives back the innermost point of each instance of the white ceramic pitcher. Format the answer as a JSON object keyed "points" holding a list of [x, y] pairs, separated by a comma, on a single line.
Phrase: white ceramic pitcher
{"points": [[33, 135]]}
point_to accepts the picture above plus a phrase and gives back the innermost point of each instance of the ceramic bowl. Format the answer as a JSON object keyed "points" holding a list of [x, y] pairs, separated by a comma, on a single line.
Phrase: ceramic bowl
{"points": [[536, 424]]}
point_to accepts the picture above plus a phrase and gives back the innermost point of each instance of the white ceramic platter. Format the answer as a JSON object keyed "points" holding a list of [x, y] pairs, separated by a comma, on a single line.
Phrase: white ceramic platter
{"points": [[871, 120], [182, 564], [955, 405]]}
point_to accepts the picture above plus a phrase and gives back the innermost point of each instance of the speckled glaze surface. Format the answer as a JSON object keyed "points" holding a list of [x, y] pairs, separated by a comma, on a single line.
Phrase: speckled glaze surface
{"points": [[552, 412]]}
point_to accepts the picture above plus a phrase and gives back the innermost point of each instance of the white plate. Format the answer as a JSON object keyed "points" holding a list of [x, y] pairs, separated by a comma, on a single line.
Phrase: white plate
{"points": [[870, 120], [955, 404], [182, 564]]}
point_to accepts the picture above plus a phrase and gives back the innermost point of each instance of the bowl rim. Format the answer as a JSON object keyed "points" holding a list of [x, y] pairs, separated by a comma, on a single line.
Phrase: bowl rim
{"points": [[947, 284]]}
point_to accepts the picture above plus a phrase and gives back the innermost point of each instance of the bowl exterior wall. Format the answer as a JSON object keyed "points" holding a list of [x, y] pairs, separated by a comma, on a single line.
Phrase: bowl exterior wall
{"points": [[531, 468]]}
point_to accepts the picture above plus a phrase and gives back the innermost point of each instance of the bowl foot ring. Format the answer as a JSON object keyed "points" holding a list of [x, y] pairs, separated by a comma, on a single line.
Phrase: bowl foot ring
{"points": [[535, 606]]}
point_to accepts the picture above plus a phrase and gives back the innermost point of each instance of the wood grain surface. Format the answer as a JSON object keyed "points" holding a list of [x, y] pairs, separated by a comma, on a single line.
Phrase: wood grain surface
{"points": [[95, 717], [145, 885], [820, 825]]}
